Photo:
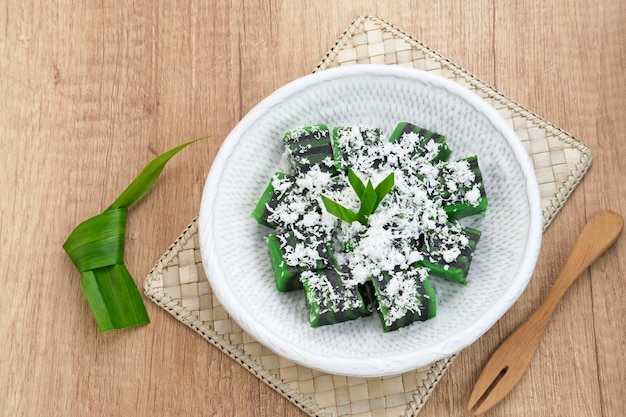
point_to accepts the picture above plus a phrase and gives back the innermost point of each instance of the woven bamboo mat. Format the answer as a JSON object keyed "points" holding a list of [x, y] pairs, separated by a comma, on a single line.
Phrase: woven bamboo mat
{"points": [[177, 282]]}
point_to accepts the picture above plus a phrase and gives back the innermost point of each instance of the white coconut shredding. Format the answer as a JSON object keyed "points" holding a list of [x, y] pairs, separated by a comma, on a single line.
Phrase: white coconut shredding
{"points": [[409, 225]]}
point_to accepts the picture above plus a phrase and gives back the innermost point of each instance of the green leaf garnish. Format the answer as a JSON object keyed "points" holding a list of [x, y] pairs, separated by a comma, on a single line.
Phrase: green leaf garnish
{"points": [[147, 177], [369, 197], [368, 202], [357, 185], [96, 247], [338, 210], [383, 188]]}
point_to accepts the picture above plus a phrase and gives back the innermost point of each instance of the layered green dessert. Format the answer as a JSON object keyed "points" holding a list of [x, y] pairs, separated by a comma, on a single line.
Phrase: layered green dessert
{"points": [[363, 221]]}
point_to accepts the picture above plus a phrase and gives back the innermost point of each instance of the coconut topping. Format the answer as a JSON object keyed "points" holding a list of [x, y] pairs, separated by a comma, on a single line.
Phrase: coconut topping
{"points": [[409, 225]]}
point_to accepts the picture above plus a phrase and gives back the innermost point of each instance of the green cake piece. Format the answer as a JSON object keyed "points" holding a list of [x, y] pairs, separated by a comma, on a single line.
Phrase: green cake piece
{"points": [[467, 196], [308, 146], [287, 277], [329, 301], [402, 299], [287, 273], [270, 200], [424, 136], [355, 145], [452, 270]]}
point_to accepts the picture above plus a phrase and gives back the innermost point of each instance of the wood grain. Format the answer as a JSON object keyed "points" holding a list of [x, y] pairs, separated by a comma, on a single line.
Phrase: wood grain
{"points": [[510, 361], [90, 92]]}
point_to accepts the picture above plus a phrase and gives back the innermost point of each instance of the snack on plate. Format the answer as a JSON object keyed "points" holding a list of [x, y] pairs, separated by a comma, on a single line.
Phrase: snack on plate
{"points": [[362, 221]]}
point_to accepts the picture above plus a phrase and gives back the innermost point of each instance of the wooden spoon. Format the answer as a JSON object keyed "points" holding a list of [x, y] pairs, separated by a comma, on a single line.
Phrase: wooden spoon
{"points": [[507, 364]]}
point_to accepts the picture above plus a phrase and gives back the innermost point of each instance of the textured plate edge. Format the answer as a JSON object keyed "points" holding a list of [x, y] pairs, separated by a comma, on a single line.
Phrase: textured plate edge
{"points": [[401, 362]]}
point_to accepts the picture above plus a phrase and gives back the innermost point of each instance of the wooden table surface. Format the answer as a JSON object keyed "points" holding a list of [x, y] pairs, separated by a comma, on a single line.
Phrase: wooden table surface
{"points": [[91, 91]]}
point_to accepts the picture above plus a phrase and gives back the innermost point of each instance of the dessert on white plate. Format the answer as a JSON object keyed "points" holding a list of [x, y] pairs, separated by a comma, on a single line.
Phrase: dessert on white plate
{"points": [[355, 247], [234, 246]]}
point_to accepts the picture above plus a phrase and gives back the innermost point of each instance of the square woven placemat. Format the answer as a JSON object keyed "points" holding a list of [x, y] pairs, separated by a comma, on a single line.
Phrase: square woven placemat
{"points": [[177, 282]]}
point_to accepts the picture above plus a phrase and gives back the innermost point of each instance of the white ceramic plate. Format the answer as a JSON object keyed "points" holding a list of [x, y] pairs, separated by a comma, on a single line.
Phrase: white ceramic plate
{"points": [[234, 251]]}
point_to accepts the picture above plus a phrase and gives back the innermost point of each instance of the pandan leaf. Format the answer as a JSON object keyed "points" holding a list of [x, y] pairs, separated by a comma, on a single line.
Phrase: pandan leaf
{"points": [[147, 177], [369, 197], [368, 202], [383, 188], [357, 185], [339, 210], [96, 247]]}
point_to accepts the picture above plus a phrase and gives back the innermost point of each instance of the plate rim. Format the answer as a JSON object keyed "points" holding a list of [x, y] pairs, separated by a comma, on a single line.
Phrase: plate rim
{"points": [[399, 362]]}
